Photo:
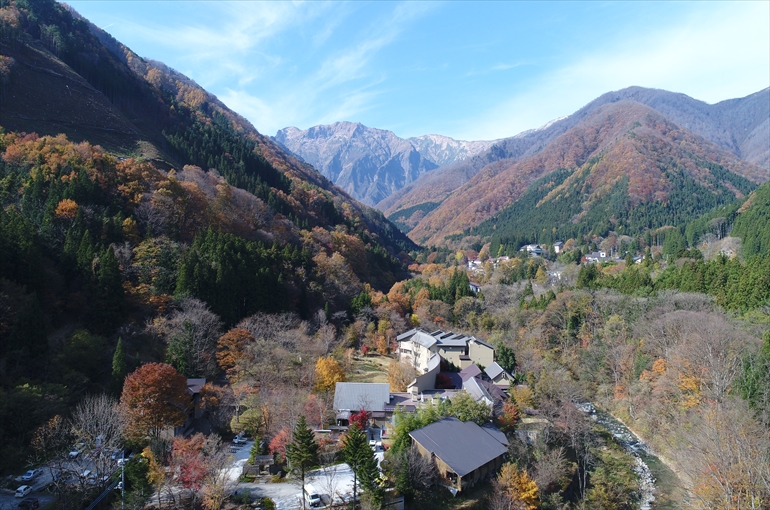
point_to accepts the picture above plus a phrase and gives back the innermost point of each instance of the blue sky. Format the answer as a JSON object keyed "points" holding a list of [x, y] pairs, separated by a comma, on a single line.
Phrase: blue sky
{"points": [[469, 70]]}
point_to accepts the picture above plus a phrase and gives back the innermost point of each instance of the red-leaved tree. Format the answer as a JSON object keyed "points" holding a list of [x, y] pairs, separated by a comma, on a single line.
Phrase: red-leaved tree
{"points": [[360, 419], [278, 444], [154, 397]]}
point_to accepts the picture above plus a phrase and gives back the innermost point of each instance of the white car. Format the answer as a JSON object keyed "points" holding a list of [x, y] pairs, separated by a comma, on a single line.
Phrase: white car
{"points": [[240, 439], [23, 491], [30, 475]]}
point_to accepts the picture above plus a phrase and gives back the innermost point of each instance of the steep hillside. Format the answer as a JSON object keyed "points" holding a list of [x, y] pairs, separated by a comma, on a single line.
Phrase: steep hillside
{"points": [[182, 186], [370, 163], [753, 223], [61, 74], [620, 144], [737, 125]]}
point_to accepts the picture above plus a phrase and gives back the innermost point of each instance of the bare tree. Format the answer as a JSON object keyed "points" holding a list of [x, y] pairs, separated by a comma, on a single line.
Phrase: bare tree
{"points": [[152, 214], [550, 470], [220, 481], [191, 331], [728, 457], [578, 434], [712, 346], [98, 424]]}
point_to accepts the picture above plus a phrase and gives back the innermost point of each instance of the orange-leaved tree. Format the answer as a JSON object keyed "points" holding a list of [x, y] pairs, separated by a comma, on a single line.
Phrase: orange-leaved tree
{"points": [[154, 397], [230, 349]]}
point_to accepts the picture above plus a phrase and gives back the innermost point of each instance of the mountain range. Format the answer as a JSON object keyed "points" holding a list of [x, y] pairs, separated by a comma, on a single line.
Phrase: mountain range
{"points": [[370, 163], [641, 134]]}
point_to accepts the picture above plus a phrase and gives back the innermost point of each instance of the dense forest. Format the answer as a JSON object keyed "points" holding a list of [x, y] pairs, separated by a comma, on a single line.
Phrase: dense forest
{"points": [[214, 255], [539, 216]]}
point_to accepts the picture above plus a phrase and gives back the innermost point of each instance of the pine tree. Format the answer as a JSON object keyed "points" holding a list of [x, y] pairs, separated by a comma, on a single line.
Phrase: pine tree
{"points": [[506, 358], [109, 292], [302, 452], [360, 457], [119, 367]]}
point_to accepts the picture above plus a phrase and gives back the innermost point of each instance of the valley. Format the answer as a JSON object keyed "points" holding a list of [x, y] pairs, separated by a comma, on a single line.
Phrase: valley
{"points": [[217, 319]]}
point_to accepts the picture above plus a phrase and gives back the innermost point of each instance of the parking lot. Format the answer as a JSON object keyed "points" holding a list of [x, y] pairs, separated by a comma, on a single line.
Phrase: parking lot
{"points": [[8, 501]]}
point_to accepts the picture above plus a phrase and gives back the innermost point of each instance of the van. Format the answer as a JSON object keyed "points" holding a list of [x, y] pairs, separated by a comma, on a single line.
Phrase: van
{"points": [[312, 497]]}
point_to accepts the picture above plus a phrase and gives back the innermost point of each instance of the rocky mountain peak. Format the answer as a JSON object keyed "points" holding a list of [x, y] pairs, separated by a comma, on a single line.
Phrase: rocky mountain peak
{"points": [[371, 163]]}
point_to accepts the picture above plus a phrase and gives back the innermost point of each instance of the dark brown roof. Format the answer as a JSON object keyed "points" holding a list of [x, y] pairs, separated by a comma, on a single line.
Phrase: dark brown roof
{"points": [[463, 446]]}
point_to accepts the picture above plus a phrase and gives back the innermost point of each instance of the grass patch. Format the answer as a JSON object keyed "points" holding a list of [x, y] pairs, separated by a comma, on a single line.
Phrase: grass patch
{"points": [[370, 369]]}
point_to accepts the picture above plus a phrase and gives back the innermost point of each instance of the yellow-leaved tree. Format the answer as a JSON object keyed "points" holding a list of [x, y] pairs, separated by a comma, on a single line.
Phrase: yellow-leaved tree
{"points": [[517, 487], [328, 373]]}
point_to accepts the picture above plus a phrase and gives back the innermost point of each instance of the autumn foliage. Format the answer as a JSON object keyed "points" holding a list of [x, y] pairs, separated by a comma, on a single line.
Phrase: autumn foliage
{"points": [[328, 373], [360, 419], [154, 397], [518, 487]]}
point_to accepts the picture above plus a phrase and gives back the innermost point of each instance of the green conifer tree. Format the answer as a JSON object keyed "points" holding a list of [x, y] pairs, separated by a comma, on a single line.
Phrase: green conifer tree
{"points": [[355, 450], [302, 452], [119, 367]]}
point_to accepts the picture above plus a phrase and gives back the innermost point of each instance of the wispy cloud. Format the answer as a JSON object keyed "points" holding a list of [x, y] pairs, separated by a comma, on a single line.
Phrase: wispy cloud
{"points": [[714, 55], [495, 68], [343, 84]]}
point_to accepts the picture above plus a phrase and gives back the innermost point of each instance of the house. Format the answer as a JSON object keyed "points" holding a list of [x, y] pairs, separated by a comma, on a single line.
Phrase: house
{"points": [[353, 397], [498, 375], [475, 287], [486, 392], [456, 379], [532, 249], [597, 256], [195, 411], [375, 398], [463, 451], [418, 346], [426, 381], [558, 247]]}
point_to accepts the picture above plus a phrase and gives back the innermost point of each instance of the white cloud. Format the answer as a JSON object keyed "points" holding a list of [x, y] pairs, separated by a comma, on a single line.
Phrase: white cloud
{"points": [[341, 87], [716, 55]]}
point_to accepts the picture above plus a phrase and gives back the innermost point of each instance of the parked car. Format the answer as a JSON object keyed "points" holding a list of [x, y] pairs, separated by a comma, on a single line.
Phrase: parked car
{"points": [[23, 491], [312, 497], [240, 439], [31, 475], [30, 503], [121, 454], [76, 451]]}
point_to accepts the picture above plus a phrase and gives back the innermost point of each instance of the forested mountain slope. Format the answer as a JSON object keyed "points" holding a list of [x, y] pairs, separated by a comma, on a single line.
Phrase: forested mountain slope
{"points": [[185, 208], [619, 144], [738, 125], [61, 74]]}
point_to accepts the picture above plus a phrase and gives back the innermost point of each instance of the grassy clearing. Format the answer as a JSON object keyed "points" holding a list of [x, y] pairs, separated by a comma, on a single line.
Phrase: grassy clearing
{"points": [[370, 369]]}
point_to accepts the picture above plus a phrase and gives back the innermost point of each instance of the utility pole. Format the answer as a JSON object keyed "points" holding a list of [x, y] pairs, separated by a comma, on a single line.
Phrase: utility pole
{"points": [[123, 480]]}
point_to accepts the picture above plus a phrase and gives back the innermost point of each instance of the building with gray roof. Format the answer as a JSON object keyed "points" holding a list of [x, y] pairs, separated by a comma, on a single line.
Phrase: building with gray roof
{"points": [[350, 396], [498, 375], [464, 452]]}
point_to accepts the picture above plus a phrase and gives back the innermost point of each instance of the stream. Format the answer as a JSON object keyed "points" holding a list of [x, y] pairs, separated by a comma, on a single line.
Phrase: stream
{"points": [[659, 486]]}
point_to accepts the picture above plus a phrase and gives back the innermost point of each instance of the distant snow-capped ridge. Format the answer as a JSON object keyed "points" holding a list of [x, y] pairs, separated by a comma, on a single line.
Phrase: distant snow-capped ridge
{"points": [[443, 150], [371, 163]]}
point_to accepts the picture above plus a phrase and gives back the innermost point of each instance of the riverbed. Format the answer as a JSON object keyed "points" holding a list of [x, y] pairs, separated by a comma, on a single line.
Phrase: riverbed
{"points": [[659, 487]]}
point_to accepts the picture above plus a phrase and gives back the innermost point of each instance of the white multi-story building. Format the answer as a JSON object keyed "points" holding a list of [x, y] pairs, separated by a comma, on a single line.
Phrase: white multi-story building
{"points": [[417, 346]]}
